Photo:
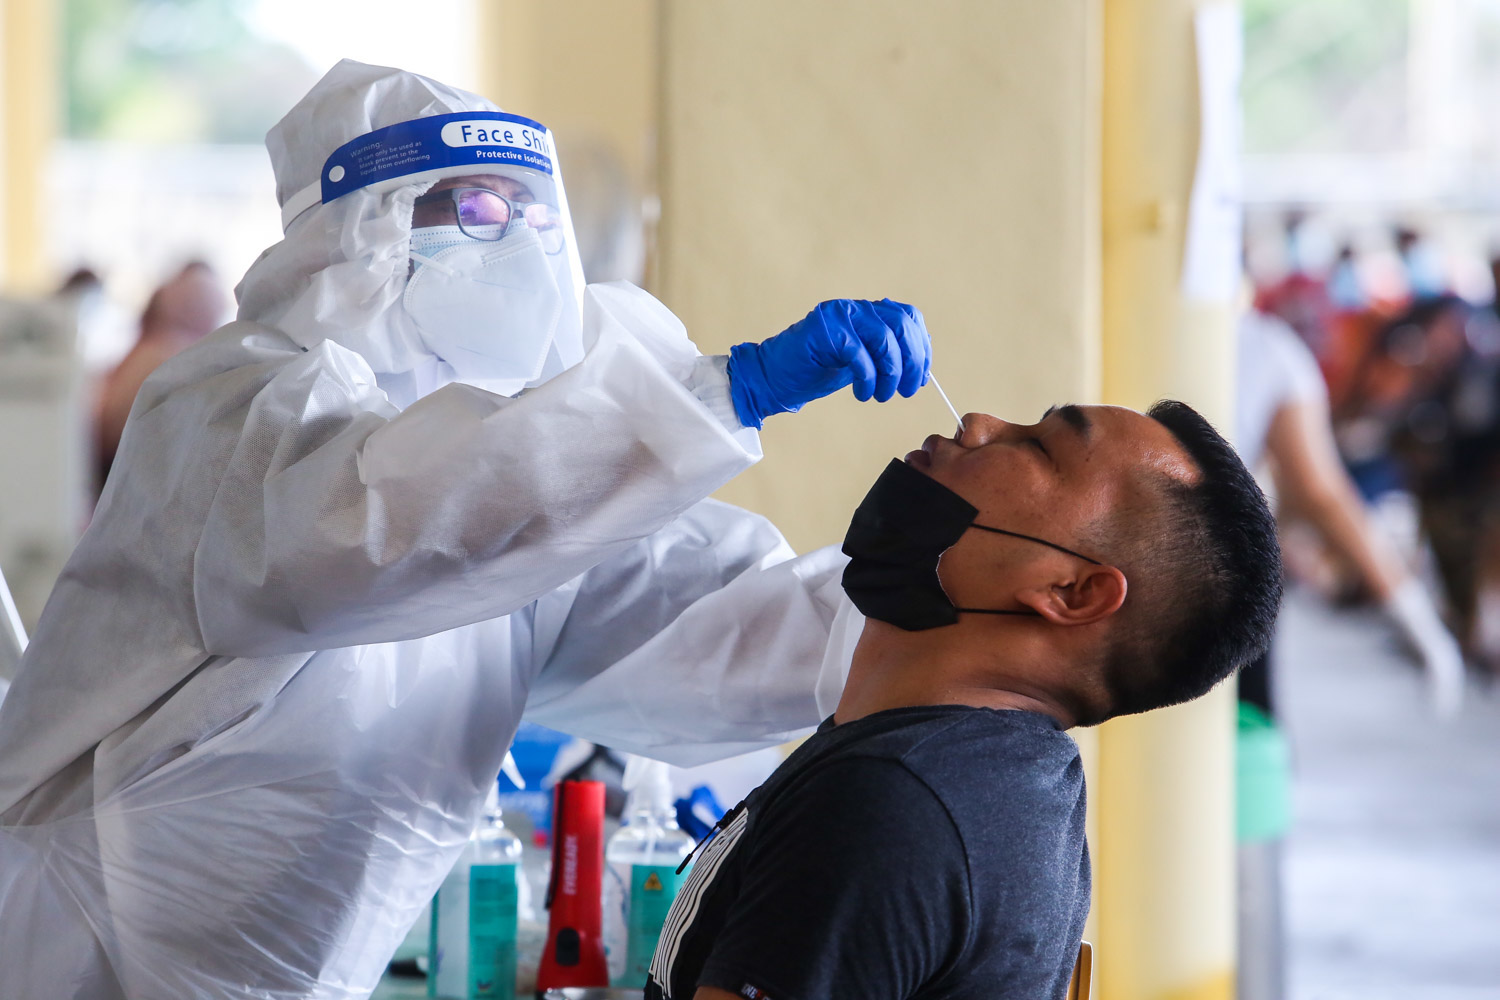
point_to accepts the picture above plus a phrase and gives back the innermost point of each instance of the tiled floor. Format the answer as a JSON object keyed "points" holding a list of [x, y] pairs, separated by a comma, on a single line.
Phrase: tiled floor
{"points": [[1393, 862]]}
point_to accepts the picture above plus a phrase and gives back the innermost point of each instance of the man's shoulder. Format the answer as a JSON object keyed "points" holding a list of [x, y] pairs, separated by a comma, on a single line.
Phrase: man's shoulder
{"points": [[852, 790], [990, 763], [854, 779], [955, 744], [972, 762]]}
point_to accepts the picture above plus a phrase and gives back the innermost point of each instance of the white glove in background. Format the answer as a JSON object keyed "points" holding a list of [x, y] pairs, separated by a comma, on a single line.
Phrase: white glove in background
{"points": [[1412, 612]]}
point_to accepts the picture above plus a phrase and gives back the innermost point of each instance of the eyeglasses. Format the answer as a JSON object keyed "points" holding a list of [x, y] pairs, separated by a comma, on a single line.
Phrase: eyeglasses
{"points": [[484, 214]]}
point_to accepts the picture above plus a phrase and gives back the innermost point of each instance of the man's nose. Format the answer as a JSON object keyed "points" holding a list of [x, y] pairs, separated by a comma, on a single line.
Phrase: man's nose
{"points": [[980, 429]]}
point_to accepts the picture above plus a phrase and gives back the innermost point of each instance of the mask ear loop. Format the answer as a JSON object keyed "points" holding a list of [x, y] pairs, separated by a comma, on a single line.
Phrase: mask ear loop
{"points": [[996, 611], [1030, 538], [1039, 541]]}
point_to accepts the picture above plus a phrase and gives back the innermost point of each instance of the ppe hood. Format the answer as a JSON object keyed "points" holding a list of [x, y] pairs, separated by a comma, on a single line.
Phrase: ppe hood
{"points": [[350, 158]]}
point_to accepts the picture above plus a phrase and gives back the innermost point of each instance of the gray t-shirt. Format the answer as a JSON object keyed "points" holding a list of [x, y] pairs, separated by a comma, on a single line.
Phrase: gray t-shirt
{"points": [[915, 853]]}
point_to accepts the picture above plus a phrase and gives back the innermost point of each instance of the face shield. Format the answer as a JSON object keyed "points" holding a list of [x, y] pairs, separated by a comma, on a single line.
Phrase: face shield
{"points": [[495, 280]]}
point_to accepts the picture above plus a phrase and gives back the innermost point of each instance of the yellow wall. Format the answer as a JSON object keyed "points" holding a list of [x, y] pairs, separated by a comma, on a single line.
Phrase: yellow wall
{"points": [[29, 106], [584, 66], [940, 154]]}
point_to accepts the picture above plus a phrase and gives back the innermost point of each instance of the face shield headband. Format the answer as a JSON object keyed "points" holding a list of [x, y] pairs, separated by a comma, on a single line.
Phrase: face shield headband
{"points": [[899, 532], [438, 145]]}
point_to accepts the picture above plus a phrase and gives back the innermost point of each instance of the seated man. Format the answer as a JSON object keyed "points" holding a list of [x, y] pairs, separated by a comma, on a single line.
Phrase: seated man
{"points": [[928, 840]]}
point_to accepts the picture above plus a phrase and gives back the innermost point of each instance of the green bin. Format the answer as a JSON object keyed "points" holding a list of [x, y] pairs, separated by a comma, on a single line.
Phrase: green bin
{"points": [[1263, 781]]}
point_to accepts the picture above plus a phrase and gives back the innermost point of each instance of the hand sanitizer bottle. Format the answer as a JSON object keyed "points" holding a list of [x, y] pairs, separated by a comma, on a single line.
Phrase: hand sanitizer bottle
{"points": [[473, 939], [640, 875]]}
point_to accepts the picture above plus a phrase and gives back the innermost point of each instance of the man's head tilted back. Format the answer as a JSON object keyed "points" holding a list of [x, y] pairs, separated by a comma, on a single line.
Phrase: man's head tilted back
{"points": [[1099, 562]]}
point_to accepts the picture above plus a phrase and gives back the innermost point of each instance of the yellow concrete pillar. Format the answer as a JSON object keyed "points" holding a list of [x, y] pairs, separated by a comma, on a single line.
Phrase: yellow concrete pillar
{"points": [[1164, 857], [30, 84]]}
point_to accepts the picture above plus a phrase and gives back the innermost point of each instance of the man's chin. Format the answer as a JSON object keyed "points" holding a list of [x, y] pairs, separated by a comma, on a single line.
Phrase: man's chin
{"points": [[918, 459]]}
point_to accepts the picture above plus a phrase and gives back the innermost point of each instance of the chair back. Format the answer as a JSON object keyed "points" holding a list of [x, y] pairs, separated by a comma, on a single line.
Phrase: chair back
{"points": [[1083, 973]]}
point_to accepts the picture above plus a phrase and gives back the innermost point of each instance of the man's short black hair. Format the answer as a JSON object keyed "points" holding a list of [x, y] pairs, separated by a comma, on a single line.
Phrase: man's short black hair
{"points": [[1204, 576]]}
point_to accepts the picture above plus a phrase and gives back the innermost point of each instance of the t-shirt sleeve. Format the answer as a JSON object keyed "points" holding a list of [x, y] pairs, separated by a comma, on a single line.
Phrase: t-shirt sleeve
{"points": [[858, 886], [1295, 369], [1274, 368]]}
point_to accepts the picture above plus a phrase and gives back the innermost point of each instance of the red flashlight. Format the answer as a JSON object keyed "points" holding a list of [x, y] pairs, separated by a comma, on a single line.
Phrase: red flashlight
{"points": [[574, 955]]}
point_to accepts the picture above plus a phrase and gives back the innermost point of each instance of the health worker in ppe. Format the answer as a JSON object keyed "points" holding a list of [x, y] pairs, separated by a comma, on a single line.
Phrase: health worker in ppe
{"points": [[425, 483]]}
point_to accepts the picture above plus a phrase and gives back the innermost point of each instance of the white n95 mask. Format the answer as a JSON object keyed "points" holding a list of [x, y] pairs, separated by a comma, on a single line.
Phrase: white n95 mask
{"points": [[488, 309]]}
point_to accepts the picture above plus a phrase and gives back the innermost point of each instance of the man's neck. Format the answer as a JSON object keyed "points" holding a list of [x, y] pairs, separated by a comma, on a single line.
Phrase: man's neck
{"points": [[893, 668]]}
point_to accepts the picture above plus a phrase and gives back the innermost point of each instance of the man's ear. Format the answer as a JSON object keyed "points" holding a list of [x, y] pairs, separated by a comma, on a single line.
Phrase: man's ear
{"points": [[1091, 595]]}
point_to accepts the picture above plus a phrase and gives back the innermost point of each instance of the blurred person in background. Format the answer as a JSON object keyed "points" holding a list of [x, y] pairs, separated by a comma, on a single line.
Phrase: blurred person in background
{"points": [[1283, 421], [80, 287], [1346, 290], [1300, 297], [1421, 262], [1351, 336], [1282, 418], [186, 308], [1426, 394], [105, 330], [1447, 437]]}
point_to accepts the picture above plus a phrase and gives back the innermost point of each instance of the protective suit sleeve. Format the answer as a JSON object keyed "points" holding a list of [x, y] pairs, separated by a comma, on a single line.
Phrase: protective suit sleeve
{"points": [[705, 641], [331, 528], [709, 381]]}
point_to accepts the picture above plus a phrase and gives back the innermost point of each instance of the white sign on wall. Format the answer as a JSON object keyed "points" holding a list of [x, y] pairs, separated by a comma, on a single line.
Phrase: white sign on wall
{"points": [[1211, 255]]}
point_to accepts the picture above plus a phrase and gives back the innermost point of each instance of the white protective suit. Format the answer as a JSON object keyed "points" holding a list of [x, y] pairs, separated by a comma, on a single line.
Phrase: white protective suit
{"points": [[267, 696]]}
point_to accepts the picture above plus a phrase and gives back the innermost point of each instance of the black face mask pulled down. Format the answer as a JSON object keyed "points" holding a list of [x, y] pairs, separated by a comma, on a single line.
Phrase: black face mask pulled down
{"points": [[899, 531]]}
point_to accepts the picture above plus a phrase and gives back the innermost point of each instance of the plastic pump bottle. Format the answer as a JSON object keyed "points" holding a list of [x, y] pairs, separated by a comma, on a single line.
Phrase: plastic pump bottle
{"points": [[473, 940], [640, 878]]}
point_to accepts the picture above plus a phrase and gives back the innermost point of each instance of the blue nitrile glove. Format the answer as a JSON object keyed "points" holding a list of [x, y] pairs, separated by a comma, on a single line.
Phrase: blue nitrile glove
{"points": [[882, 347]]}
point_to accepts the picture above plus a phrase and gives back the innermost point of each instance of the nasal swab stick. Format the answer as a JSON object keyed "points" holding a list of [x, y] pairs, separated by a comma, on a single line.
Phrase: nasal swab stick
{"points": [[951, 408]]}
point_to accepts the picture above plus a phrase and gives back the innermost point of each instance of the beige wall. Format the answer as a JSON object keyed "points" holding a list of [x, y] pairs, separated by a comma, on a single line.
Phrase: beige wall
{"points": [[30, 88], [581, 66], [943, 155]]}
